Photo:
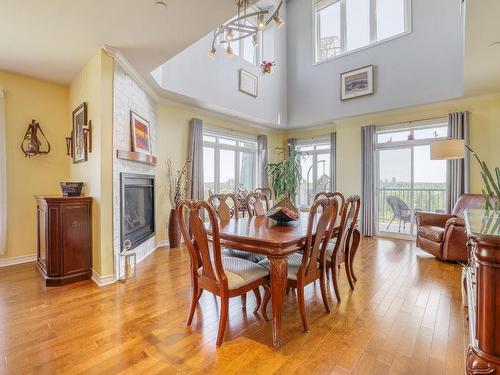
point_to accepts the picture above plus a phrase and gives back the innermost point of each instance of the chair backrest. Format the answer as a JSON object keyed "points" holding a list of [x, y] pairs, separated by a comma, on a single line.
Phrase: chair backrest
{"points": [[467, 201], [267, 191], [219, 202], [196, 240], [339, 197], [316, 240], [254, 204], [395, 205], [348, 222]]}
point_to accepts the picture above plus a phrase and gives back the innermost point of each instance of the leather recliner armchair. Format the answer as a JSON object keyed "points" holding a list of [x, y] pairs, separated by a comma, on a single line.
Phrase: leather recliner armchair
{"points": [[443, 235]]}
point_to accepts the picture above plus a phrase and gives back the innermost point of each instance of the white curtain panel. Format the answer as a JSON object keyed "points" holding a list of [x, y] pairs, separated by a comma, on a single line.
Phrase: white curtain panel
{"points": [[262, 179], [196, 156], [3, 176], [458, 170], [368, 180], [333, 161]]}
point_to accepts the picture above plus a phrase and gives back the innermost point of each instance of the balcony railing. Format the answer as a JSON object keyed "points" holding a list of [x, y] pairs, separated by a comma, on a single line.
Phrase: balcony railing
{"points": [[431, 200]]}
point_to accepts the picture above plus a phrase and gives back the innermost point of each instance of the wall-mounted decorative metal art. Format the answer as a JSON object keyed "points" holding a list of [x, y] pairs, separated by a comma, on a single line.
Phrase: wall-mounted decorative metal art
{"points": [[32, 144]]}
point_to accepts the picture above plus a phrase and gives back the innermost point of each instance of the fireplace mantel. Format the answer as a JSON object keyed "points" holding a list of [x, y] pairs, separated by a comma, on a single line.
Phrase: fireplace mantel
{"points": [[137, 157]]}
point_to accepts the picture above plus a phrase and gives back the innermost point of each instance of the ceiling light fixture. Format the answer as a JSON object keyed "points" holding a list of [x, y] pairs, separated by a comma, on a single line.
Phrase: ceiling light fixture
{"points": [[247, 24], [161, 4]]}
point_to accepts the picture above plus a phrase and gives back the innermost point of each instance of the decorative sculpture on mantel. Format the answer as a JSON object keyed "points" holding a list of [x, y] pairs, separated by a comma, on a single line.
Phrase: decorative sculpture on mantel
{"points": [[31, 144]]}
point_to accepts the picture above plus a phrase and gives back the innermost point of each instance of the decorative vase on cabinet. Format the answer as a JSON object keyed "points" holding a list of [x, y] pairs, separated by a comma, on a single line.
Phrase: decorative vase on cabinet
{"points": [[174, 233]]}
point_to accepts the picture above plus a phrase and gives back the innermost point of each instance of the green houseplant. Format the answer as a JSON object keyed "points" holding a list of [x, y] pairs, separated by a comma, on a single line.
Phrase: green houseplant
{"points": [[285, 176]]}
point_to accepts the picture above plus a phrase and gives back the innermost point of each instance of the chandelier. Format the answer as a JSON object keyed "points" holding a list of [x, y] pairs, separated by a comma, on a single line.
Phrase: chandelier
{"points": [[245, 25]]}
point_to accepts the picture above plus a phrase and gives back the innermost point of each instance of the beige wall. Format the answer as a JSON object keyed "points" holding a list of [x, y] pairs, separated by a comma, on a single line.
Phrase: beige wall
{"points": [[173, 133], [26, 99], [94, 85], [484, 136]]}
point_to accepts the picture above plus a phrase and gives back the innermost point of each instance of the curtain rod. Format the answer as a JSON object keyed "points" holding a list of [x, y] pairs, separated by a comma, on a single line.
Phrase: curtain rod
{"points": [[412, 121]]}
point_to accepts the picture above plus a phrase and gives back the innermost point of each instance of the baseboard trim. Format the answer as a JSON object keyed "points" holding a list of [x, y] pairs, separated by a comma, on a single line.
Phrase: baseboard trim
{"points": [[18, 260], [163, 243], [102, 280]]}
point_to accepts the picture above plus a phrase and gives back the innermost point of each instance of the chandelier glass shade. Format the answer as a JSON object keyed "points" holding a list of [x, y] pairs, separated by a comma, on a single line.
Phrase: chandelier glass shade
{"points": [[247, 24]]}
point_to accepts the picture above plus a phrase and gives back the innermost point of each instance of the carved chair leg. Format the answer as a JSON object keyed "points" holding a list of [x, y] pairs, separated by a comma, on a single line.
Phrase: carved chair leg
{"points": [[324, 295], [244, 301], [302, 307], [348, 271], [194, 301], [353, 251], [335, 281], [258, 300], [265, 301], [224, 308]]}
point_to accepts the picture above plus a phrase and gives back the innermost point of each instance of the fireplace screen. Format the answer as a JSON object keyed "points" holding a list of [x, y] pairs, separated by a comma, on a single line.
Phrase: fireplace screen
{"points": [[137, 208]]}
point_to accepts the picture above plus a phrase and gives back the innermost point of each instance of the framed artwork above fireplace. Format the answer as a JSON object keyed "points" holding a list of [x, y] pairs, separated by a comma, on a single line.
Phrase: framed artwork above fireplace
{"points": [[141, 136]]}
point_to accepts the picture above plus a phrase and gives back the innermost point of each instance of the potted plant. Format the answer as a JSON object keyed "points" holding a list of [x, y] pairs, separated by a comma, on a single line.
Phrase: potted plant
{"points": [[177, 187], [285, 180]]}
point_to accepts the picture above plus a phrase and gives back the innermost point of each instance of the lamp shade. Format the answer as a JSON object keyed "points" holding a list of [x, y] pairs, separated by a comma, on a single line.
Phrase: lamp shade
{"points": [[448, 149]]}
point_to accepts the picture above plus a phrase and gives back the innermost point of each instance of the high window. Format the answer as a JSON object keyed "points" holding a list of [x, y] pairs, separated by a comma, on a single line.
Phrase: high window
{"points": [[342, 26], [315, 169], [229, 160], [407, 179]]}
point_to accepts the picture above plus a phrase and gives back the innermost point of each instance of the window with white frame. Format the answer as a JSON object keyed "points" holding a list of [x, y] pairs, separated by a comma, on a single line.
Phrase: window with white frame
{"points": [[229, 160], [315, 169], [343, 26]]}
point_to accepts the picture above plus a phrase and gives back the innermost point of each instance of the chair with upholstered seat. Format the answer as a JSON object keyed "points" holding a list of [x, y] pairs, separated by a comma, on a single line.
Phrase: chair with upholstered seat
{"points": [[225, 277], [304, 268], [255, 206], [225, 213], [343, 247]]}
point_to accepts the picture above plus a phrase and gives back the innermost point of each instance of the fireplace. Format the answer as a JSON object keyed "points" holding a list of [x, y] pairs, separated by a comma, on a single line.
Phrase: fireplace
{"points": [[137, 208]]}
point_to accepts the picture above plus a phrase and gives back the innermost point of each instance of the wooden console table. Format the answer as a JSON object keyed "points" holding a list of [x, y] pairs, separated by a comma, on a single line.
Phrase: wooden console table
{"points": [[483, 291], [64, 238]]}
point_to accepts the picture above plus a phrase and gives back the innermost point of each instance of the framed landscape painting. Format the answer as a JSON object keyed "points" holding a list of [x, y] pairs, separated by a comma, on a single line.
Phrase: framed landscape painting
{"points": [[141, 137], [356, 83], [249, 83]]}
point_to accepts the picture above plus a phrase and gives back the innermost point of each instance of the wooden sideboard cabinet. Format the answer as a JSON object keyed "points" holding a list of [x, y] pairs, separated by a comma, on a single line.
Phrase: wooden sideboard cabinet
{"points": [[483, 291], [64, 238]]}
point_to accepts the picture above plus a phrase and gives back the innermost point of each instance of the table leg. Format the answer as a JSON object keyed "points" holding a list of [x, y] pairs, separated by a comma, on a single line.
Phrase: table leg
{"points": [[279, 275]]}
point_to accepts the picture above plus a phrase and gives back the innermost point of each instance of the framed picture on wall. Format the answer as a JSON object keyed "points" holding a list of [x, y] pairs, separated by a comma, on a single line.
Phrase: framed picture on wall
{"points": [[356, 83], [249, 83], [78, 135], [141, 137]]}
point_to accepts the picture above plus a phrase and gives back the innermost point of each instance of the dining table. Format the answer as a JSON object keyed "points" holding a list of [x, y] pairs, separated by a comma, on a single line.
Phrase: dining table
{"points": [[263, 235]]}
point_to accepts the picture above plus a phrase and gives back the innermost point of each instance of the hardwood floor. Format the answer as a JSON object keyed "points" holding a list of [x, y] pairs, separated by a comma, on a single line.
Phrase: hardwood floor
{"points": [[404, 317]]}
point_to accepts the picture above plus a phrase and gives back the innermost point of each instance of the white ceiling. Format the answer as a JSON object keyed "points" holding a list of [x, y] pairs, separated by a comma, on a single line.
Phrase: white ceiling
{"points": [[482, 60], [53, 39]]}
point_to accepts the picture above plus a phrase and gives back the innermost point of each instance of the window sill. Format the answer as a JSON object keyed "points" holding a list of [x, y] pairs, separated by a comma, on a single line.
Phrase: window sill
{"points": [[361, 48]]}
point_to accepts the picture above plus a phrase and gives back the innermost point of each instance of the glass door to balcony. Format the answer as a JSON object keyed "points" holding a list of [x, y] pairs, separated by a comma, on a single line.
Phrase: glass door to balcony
{"points": [[407, 182]]}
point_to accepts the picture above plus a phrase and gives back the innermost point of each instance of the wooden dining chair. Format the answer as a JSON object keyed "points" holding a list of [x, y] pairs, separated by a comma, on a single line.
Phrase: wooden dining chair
{"points": [[304, 269], [267, 191], [339, 197], [343, 247], [255, 206], [225, 277], [225, 213], [222, 208]]}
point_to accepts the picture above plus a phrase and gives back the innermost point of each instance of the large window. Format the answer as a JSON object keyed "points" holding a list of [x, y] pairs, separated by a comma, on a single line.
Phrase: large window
{"points": [[315, 169], [229, 160], [408, 180], [342, 26]]}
